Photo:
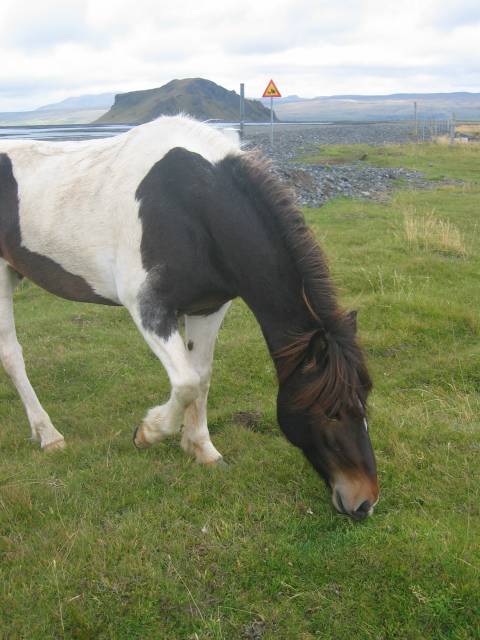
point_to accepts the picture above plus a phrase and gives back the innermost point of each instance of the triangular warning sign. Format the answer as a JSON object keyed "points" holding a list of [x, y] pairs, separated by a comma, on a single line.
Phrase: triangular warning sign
{"points": [[271, 91]]}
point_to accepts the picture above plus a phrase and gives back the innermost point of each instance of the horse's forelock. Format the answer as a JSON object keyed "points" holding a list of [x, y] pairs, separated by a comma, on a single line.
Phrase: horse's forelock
{"points": [[332, 367]]}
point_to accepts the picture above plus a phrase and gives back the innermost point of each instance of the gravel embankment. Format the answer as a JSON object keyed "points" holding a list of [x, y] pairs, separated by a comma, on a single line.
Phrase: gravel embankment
{"points": [[315, 184]]}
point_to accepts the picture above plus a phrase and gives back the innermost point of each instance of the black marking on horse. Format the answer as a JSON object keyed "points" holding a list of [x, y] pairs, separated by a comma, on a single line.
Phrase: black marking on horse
{"points": [[208, 235], [39, 268], [190, 345], [186, 273]]}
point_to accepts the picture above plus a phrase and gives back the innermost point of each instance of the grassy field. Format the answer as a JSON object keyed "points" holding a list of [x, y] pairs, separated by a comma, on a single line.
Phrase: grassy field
{"points": [[103, 541]]}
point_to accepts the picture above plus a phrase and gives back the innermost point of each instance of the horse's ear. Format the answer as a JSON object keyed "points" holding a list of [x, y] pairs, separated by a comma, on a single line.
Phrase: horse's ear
{"points": [[352, 319], [318, 343], [316, 347]]}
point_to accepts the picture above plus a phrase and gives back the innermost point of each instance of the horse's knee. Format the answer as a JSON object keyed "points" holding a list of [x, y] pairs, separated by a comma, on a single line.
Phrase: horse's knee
{"points": [[188, 389], [205, 373], [11, 356]]}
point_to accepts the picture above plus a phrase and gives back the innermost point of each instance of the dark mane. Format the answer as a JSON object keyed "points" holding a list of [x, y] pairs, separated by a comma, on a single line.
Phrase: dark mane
{"points": [[336, 375]]}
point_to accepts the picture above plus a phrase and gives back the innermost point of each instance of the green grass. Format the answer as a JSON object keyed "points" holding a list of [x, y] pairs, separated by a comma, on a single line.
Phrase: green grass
{"points": [[103, 541], [436, 161]]}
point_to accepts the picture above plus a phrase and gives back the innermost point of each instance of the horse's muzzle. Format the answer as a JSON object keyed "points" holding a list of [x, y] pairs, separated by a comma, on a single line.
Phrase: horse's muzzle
{"points": [[356, 498], [360, 513]]}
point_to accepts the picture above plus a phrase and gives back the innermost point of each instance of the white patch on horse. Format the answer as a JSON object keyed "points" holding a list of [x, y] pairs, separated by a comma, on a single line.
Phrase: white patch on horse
{"points": [[201, 331]]}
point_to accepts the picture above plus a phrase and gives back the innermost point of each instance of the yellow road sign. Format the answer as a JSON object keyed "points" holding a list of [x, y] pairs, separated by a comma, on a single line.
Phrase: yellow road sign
{"points": [[271, 91]]}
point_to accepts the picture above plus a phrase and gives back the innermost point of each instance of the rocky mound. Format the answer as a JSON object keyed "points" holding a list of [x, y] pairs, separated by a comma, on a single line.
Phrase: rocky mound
{"points": [[197, 97]]}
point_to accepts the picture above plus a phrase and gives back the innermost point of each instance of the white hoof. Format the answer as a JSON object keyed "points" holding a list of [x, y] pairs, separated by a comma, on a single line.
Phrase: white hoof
{"points": [[54, 446], [219, 462], [139, 439], [204, 452]]}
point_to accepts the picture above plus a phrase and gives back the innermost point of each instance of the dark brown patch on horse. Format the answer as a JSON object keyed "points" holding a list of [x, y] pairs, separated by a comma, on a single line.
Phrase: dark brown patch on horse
{"points": [[190, 345], [255, 172], [40, 269], [204, 307], [328, 353], [177, 208]]}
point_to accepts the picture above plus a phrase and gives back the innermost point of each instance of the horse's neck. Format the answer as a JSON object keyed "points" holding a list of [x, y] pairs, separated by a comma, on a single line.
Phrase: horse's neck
{"points": [[280, 310], [273, 289]]}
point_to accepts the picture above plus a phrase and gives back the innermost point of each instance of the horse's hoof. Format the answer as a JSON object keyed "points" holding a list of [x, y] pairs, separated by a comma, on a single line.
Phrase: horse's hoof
{"points": [[139, 441], [56, 445], [219, 462]]}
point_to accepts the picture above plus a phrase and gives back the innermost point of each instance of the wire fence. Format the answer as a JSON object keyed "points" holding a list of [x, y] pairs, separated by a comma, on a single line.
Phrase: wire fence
{"points": [[428, 129]]}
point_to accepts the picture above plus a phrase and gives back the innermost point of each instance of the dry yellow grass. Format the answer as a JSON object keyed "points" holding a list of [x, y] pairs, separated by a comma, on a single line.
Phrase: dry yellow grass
{"points": [[444, 139], [430, 233], [472, 129]]}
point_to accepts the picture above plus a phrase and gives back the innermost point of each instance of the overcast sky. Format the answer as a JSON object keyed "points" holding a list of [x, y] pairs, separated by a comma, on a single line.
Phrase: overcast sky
{"points": [[53, 49]]}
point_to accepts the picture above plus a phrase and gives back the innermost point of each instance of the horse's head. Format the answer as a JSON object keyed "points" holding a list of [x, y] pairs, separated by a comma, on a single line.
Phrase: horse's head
{"points": [[322, 398]]}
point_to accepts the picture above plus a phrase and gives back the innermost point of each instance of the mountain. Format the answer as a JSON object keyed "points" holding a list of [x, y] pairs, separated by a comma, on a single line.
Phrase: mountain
{"points": [[78, 103], [399, 106], [75, 110], [292, 98], [202, 99], [49, 117]]}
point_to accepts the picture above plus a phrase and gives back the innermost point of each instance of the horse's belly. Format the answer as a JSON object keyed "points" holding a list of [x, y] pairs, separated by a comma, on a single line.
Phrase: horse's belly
{"points": [[51, 276], [87, 238]]}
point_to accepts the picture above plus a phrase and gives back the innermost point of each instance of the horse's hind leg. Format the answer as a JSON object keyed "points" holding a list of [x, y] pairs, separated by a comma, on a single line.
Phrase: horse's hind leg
{"points": [[201, 334], [12, 360]]}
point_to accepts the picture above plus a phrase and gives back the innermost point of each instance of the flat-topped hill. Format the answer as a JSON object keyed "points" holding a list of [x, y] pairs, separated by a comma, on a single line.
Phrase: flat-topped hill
{"points": [[202, 99]]}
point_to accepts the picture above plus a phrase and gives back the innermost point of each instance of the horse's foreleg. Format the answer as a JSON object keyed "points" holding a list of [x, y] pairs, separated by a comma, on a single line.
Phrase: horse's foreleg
{"points": [[201, 334], [12, 360], [167, 419]]}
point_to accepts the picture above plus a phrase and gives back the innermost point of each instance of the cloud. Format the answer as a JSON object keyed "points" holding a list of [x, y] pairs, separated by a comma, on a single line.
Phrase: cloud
{"points": [[450, 14], [57, 48], [37, 26]]}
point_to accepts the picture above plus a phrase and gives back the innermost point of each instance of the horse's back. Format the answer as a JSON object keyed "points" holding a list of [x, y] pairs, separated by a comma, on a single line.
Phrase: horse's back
{"points": [[76, 205]]}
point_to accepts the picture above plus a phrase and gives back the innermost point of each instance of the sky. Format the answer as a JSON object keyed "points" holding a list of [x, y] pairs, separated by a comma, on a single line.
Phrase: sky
{"points": [[54, 49]]}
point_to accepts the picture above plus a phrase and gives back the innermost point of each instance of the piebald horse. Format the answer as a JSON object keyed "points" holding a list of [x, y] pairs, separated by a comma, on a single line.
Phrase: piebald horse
{"points": [[173, 219]]}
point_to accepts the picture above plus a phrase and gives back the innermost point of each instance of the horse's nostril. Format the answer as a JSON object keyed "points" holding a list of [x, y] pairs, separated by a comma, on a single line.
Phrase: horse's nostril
{"points": [[341, 508], [363, 508]]}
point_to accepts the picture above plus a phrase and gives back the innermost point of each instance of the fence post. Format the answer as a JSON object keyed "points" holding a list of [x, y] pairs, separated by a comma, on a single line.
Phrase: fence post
{"points": [[242, 109], [416, 120], [452, 129]]}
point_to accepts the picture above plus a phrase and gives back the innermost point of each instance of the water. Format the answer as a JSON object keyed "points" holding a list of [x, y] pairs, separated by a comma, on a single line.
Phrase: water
{"points": [[91, 131], [62, 132]]}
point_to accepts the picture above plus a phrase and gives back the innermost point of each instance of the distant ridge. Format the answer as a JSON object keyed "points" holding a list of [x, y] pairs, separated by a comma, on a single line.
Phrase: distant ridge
{"points": [[73, 110], [396, 106], [200, 98], [401, 96], [96, 101]]}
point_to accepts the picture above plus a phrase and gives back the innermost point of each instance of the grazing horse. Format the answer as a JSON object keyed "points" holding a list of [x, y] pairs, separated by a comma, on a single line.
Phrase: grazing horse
{"points": [[172, 219]]}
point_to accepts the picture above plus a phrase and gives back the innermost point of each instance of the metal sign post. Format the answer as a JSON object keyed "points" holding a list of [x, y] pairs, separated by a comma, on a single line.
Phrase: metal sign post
{"points": [[242, 109], [271, 121], [271, 92]]}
